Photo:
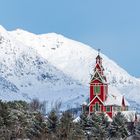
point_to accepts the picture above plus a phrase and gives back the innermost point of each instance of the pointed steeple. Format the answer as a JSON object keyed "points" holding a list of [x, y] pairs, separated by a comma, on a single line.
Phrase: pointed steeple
{"points": [[99, 58], [98, 69], [99, 66], [123, 102]]}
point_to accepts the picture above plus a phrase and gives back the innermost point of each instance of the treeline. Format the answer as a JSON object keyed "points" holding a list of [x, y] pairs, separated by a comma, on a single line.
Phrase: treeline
{"points": [[22, 120]]}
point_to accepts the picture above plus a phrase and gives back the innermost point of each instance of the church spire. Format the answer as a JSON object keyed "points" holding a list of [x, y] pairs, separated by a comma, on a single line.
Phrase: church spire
{"points": [[99, 51], [99, 66], [98, 58]]}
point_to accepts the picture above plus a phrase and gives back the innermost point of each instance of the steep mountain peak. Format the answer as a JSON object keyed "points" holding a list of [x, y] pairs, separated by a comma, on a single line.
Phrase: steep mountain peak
{"points": [[51, 66]]}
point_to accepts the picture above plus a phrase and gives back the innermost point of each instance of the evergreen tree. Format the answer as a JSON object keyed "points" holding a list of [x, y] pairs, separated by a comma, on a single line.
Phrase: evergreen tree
{"points": [[99, 126], [86, 124], [52, 121], [17, 121], [4, 113], [118, 128], [52, 124], [77, 132], [95, 126], [66, 126], [137, 129]]}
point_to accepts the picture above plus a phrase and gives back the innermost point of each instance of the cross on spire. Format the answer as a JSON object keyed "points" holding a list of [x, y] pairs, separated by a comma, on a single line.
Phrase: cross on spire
{"points": [[99, 51]]}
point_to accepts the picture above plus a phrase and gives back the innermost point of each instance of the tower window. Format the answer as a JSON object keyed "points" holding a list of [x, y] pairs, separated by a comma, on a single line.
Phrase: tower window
{"points": [[96, 89]]}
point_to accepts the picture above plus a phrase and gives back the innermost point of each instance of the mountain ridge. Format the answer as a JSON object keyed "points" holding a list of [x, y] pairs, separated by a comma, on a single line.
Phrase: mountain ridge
{"points": [[57, 39], [71, 62]]}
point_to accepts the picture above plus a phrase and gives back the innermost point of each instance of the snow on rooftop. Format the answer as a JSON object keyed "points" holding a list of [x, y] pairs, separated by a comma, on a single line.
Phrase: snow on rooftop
{"points": [[84, 103], [129, 115], [138, 117], [108, 117], [114, 97], [77, 119]]}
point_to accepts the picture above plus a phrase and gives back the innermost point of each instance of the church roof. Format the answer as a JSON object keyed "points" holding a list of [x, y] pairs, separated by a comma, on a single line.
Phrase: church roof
{"points": [[129, 115], [94, 99], [97, 76], [98, 57], [77, 119], [108, 117], [115, 97]]}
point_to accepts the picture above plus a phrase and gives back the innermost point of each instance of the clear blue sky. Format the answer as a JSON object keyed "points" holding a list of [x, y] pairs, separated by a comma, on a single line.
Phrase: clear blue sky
{"points": [[111, 25]]}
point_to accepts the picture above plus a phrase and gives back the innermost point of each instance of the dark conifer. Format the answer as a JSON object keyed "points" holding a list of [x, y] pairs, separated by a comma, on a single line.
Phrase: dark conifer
{"points": [[118, 128]]}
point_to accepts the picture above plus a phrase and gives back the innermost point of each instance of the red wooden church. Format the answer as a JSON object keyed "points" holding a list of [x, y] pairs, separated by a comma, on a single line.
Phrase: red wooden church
{"points": [[104, 98]]}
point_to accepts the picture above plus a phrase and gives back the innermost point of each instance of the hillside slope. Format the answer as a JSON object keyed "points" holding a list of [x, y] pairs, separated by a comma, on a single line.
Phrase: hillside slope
{"points": [[73, 58], [53, 67], [32, 74]]}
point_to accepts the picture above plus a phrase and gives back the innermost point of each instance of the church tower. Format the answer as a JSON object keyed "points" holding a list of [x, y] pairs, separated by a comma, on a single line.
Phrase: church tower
{"points": [[98, 87]]}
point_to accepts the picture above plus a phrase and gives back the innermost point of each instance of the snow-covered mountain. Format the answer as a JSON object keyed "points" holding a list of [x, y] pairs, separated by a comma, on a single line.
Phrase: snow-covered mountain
{"points": [[8, 91], [52, 67], [32, 74]]}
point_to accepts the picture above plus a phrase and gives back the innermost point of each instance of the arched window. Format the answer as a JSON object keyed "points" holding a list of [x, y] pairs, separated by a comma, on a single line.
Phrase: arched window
{"points": [[97, 89], [97, 107]]}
